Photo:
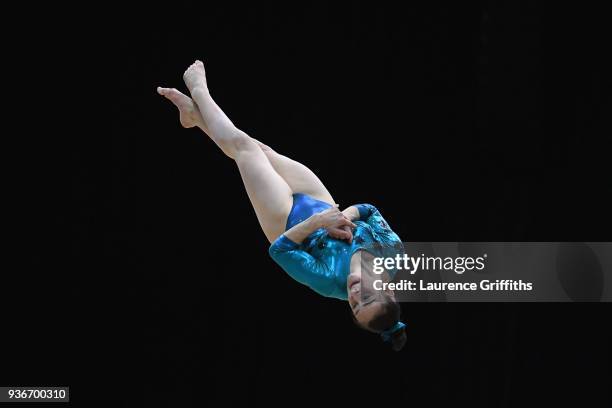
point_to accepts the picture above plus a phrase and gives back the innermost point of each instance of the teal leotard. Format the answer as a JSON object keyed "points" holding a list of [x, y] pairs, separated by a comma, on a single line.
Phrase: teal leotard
{"points": [[323, 263]]}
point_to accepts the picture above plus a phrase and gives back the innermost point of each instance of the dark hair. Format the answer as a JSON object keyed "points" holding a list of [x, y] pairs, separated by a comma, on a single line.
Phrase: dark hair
{"points": [[385, 320]]}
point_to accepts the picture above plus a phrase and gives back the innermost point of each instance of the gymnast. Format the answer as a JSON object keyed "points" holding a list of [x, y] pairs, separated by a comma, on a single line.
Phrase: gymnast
{"points": [[311, 239]]}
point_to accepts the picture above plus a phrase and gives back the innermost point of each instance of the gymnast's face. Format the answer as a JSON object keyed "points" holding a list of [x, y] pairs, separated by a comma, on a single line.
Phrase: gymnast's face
{"points": [[365, 302]]}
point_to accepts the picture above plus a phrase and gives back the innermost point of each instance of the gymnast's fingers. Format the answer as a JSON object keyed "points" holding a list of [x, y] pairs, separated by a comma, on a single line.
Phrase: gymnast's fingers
{"points": [[347, 222], [349, 233], [336, 232]]}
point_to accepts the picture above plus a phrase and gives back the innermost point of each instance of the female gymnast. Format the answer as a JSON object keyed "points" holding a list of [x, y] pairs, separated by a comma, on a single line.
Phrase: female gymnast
{"points": [[311, 239]]}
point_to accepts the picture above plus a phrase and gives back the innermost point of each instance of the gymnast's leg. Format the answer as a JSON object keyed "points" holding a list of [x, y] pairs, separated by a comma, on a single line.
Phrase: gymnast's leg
{"points": [[299, 177], [269, 193]]}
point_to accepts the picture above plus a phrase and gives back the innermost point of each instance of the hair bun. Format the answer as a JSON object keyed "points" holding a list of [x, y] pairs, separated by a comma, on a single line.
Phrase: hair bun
{"points": [[398, 339]]}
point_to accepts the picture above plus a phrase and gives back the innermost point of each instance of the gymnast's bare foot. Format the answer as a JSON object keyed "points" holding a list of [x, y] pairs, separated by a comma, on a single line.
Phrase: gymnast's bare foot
{"points": [[189, 114], [195, 77]]}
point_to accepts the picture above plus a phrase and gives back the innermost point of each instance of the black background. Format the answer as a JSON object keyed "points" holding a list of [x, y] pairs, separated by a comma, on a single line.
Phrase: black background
{"points": [[148, 275]]}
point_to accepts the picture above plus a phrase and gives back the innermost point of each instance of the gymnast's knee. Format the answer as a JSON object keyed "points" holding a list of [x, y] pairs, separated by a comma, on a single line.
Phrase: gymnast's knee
{"points": [[264, 147], [238, 144]]}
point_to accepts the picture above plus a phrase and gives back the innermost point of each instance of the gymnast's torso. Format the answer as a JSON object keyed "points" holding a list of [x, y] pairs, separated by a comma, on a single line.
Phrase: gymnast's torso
{"points": [[322, 262]]}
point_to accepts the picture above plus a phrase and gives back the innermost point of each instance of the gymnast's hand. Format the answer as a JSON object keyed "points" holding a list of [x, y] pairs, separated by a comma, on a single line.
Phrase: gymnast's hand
{"points": [[345, 232], [338, 226]]}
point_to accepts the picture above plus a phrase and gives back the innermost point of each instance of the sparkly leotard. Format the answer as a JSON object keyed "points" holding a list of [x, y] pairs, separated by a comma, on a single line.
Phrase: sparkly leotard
{"points": [[323, 263]]}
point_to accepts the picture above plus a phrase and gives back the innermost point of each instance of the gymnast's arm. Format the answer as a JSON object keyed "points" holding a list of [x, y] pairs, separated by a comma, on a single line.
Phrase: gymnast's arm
{"points": [[332, 219], [360, 212], [299, 264], [371, 216]]}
